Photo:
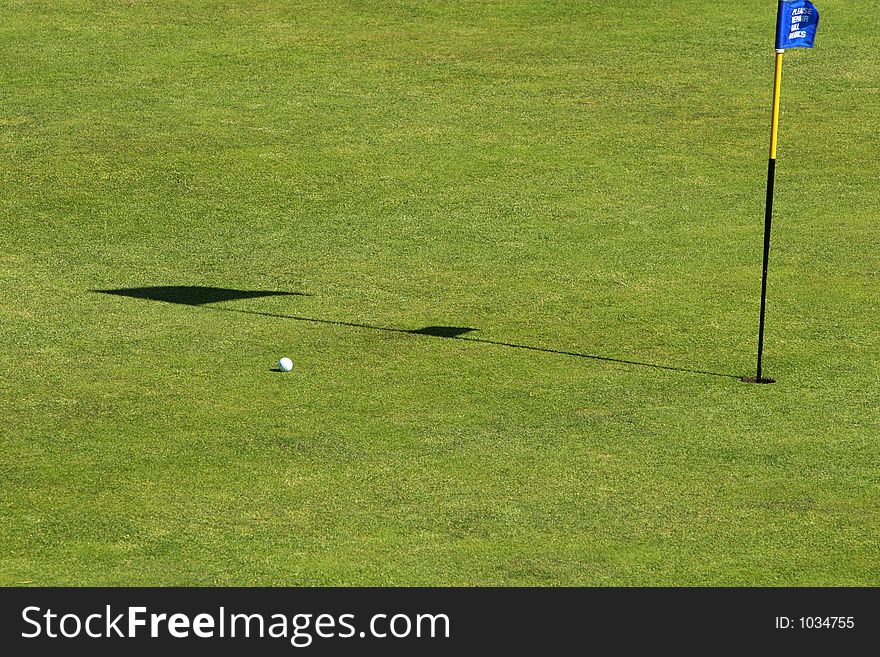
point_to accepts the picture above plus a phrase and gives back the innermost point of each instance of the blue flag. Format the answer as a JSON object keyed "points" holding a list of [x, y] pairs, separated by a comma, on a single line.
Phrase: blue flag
{"points": [[796, 23]]}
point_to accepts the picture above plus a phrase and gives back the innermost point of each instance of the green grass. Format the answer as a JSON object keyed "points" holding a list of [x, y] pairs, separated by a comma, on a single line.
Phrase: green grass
{"points": [[571, 176]]}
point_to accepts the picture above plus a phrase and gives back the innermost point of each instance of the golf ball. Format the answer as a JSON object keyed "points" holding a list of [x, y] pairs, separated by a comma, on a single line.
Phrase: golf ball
{"points": [[285, 364]]}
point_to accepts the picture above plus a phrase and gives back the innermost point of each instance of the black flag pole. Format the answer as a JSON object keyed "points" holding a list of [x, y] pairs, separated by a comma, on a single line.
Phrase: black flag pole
{"points": [[768, 213]]}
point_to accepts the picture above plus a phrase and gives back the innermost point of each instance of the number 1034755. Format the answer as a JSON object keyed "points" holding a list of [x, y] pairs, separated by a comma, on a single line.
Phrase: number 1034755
{"points": [[815, 622]]}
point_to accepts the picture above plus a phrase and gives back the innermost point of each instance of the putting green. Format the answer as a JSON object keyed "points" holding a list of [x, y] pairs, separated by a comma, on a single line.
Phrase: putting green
{"points": [[513, 249]]}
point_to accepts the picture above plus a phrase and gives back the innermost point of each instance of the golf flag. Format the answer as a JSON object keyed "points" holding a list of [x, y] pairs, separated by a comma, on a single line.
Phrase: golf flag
{"points": [[796, 23]]}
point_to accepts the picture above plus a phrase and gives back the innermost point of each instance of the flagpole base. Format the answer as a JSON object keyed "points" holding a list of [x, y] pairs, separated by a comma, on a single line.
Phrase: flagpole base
{"points": [[752, 379]]}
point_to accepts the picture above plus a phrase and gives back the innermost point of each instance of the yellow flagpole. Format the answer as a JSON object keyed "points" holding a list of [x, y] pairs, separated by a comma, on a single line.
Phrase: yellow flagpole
{"points": [[768, 212], [777, 88]]}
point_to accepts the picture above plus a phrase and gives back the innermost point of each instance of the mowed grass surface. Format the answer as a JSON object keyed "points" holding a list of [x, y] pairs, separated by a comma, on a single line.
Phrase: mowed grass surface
{"points": [[575, 177]]}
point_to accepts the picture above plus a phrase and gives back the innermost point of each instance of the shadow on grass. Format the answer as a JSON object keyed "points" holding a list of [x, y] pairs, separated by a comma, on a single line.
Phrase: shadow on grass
{"points": [[193, 295], [200, 296]]}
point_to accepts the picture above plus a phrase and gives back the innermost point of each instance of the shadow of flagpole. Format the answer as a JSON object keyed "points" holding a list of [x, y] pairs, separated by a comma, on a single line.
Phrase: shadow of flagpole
{"points": [[205, 297]]}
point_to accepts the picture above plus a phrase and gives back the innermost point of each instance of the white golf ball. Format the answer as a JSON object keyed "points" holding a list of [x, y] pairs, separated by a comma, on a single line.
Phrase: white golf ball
{"points": [[285, 364]]}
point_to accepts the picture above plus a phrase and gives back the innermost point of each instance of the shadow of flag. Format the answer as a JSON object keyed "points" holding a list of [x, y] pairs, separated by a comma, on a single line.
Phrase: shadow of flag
{"points": [[193, 295]]}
